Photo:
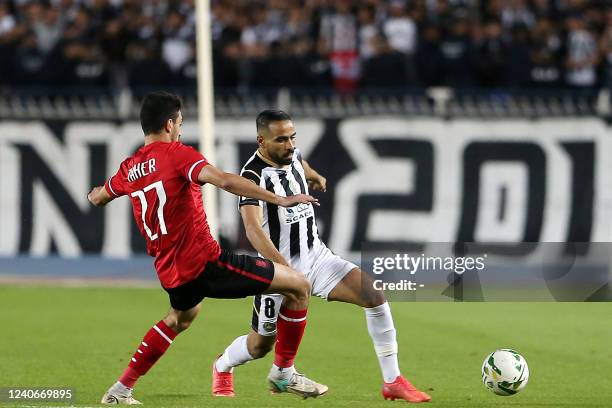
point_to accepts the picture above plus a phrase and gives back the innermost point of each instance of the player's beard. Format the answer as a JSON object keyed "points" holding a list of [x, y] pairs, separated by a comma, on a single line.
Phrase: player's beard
{"points": [[284, 160]]}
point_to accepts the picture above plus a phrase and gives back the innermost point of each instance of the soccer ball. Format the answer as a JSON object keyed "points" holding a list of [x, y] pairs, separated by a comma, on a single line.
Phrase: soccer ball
{"points": [[505, 372]]}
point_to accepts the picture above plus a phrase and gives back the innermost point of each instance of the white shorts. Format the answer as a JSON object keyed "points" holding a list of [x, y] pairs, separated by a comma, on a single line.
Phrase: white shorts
{"points": [[327, 270]]}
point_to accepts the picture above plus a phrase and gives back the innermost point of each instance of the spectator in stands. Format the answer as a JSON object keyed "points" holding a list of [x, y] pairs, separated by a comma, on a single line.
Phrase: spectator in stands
{"points": [[7, 20], [8, 32], [178, 37], [582, 54], [400, 29], [79, 29], [573, 7], [544, 9], [315, 64], [606, 50], [439, 13], [114, 41], [84, 65], [545, 55], [259, 34], [284, 68], [367, 31], [516, 13], [146, 68], [458, 55], [339, 36], [453, 42], [386, 69], [257, 39], [28, 62], [517, 70], [47, 24], [228, 55], [492, 56], [299, 23], [429, 57], [187, 76], [401, 33]]}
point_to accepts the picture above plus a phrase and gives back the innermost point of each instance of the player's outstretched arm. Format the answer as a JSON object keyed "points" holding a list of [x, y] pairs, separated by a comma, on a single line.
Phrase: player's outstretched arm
{"points": [[99, 197], [240, 186], [252, 216], [315, 181]]}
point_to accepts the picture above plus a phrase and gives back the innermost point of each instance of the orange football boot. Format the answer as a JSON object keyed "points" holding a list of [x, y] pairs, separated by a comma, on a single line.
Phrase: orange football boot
{"points": [[401, 388]]}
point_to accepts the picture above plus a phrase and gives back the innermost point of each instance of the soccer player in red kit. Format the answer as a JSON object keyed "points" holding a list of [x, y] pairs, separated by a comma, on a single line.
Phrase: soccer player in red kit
{"points": [[162, 180]]}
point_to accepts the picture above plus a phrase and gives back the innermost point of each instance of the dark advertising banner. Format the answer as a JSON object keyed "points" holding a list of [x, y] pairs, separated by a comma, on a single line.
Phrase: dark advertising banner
{"points": [[392, 182]]}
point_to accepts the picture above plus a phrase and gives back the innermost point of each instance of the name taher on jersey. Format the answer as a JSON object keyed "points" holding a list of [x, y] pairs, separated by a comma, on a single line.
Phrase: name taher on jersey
{"points": [[141, 169]]}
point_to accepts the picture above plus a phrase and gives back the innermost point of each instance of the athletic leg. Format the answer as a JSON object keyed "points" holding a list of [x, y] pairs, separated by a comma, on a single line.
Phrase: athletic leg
{"points": [[291, 320], [154, 344], [357, 288], [248, 347], [291, 323], [261, 338], [272, 315]]}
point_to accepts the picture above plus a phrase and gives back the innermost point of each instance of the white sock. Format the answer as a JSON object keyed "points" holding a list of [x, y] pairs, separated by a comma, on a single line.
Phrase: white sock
{"points": [[382, 332], [121, 390], [278, 373], [234, 355]]}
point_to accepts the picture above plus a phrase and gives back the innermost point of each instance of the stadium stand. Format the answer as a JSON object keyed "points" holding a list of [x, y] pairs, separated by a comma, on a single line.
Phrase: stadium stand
{"points": [[92, 58]]}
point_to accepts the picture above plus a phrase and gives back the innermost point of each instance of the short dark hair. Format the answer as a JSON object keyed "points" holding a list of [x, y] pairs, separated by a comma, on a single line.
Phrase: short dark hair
{"points": [[157, 108], [270, 115]]}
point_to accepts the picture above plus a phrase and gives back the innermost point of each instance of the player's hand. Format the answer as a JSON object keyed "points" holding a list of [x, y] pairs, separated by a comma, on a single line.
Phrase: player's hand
{"points": [[318, 184], [93, 193], [297, 199]]}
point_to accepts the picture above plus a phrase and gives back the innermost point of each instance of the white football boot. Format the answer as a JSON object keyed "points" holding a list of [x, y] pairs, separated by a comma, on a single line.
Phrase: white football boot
{"points": [[118, 394], [297, 384]]}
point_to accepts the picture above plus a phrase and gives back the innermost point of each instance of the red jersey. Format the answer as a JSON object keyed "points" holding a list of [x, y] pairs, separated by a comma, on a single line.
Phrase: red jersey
{"points": [[161, 180]]}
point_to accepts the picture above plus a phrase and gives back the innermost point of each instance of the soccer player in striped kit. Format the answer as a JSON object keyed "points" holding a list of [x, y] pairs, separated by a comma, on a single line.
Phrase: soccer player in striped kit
{"points": [[289, 237], [163, 181]]}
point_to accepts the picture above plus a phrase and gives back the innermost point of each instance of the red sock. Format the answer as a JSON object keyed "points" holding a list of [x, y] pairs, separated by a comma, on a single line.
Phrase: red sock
{"points": [[290, 329], [153, 346]]}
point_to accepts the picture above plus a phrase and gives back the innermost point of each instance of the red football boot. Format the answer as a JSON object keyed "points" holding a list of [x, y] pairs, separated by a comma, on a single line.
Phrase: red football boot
{"points": [[401, 388], [222, 383]]}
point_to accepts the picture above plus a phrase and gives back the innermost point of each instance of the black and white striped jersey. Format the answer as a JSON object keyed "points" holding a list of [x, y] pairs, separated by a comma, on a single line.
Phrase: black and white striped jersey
{"points": [[293, 230]]}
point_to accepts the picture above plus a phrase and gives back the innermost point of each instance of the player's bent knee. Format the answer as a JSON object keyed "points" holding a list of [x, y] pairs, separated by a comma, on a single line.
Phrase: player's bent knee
{"points": [[180, 320], [298, 295], [176, 324], [302, 288], [373, 298]]}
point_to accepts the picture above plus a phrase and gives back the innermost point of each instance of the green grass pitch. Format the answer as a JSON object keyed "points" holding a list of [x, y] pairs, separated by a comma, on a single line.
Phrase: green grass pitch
{"points": [[84, 337]]}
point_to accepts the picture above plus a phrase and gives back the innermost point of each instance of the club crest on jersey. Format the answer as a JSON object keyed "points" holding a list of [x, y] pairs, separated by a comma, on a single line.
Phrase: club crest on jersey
{"points": [[269, 327]]}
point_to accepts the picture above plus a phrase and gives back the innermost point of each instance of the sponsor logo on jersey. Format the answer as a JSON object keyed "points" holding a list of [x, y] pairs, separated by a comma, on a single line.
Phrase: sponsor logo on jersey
{"points": [[297, 213]]}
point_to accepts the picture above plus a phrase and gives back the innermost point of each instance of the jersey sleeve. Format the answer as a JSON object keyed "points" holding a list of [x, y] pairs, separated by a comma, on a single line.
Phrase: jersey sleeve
{"points": [[189, 162], [115, 185], [255, 178]]}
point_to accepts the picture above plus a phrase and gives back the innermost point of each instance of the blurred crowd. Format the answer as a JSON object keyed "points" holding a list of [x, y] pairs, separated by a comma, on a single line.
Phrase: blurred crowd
{"points": [[329, 44]]}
